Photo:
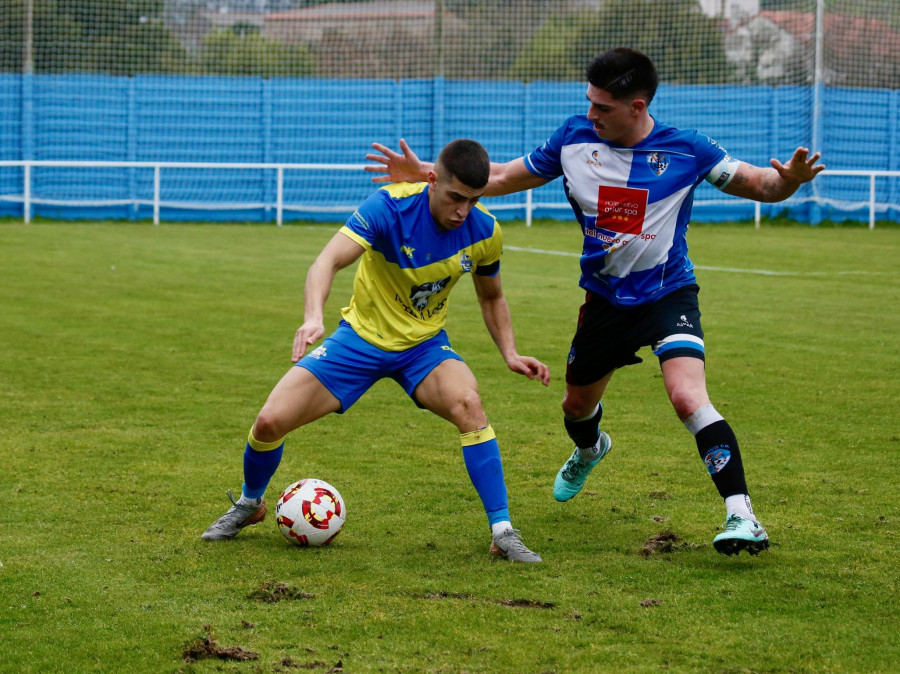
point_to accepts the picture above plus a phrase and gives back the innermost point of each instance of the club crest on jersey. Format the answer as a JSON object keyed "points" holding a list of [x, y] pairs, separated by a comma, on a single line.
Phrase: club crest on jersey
{"points": [[658, 162], [419, 295], [408, 251], [465, 263], [594, 159]]}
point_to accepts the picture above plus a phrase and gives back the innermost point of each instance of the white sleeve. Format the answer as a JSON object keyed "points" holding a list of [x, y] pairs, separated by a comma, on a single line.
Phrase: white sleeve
{"points": [[723, 172]]}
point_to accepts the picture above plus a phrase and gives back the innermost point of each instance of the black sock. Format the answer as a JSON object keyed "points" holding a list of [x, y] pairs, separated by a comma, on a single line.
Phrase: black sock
{"points": [[719, 450], [585, 432]]}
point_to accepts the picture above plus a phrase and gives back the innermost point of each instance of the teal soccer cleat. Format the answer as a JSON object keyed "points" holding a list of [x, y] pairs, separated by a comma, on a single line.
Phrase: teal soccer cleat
{"points": [[741, 534], [570, 478]]}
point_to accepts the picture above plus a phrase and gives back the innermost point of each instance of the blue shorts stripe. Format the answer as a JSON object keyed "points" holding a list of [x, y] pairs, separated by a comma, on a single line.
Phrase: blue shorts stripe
{"points": [[668, 346]]}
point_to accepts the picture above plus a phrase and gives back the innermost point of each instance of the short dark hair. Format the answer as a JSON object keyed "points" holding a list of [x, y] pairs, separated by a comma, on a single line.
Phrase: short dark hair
{"points": [[623, 72], [467, 160]]}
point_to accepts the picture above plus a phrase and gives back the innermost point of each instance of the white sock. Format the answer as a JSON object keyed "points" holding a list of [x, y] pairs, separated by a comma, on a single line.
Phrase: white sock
{"points": [[590, 453], [249, 502], [499, 527], [739, 504]]}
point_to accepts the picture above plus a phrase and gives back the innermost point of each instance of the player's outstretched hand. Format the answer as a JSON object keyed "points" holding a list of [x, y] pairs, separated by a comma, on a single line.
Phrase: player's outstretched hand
{"points": [[531, 368], [406, 167], [800, 168], [307, 334]]}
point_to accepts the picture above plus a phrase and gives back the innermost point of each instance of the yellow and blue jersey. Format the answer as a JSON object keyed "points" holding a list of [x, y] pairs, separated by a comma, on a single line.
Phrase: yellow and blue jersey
{"points": [[403, 282]]}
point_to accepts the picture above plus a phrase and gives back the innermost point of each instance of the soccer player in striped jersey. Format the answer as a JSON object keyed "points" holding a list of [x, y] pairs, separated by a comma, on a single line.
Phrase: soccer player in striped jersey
{"points": [[630, 181], [416, 240]]}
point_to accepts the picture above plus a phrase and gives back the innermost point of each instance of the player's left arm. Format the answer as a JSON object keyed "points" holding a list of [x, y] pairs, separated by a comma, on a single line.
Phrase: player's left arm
{"points": [[495, 312], [776, 183]]}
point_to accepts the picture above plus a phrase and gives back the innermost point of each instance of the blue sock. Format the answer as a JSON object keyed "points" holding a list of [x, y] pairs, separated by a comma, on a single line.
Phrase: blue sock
{"points": [[261, 460], [482, 456]]}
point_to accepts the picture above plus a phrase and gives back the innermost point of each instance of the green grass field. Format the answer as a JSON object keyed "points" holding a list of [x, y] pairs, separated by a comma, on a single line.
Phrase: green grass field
{"points": [[133, 360]]}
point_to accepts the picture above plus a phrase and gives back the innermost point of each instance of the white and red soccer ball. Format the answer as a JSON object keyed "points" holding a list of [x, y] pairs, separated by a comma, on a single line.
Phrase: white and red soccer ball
{"points": [[310, 513]]}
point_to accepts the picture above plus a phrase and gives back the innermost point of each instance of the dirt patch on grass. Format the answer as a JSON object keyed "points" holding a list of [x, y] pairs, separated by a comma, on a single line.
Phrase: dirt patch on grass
{"points": [[663, 542], [514, 603], [206, 647], [288, 663], [272, 591], [526, 603]]}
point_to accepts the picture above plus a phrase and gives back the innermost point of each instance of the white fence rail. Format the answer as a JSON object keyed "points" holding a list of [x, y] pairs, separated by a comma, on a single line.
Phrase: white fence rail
{"points": [[530, 205]]}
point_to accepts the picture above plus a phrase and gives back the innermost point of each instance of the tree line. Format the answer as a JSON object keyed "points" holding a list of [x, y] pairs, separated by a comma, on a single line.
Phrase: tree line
{"points": [[524, 40]]}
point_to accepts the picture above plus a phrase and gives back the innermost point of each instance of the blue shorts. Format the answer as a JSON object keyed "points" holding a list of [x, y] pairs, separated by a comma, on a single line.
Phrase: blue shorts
{"points": [[348, 366]]}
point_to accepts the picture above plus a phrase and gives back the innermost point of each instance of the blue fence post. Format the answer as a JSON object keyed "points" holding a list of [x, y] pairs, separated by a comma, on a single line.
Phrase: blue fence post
{"points": [[774, 134], [527, 131], [398, 110], [131, 145], [27, 131], [893, 160], [437, 129], [266, 121], [815, 212]]}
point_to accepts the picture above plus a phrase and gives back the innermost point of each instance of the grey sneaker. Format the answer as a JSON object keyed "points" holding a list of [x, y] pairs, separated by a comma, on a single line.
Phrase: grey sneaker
{"points": [[237, 517], [509, 545], [570, 478]]}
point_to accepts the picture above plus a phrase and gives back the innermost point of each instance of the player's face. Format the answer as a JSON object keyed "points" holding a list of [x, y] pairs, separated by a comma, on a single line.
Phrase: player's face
{"points": [[450, 200], [614, 120]]}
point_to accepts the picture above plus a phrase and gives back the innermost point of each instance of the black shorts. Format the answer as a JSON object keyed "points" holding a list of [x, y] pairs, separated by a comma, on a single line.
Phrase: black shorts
{"points": [[609, 337]]}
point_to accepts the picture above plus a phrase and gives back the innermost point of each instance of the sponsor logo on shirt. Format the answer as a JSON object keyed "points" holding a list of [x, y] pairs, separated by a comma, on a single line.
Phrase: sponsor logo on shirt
{"points": [[408, 251], [465, 263], [419, 295], [594, 159], [621, 209]]}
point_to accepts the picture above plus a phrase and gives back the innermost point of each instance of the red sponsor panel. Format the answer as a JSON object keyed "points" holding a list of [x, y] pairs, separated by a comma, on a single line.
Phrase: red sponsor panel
{"points": [[621, 209]]}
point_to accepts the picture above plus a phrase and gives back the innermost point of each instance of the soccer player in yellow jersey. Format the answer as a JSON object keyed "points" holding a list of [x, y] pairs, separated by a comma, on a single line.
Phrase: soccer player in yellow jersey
{"points": [[416, 241]]}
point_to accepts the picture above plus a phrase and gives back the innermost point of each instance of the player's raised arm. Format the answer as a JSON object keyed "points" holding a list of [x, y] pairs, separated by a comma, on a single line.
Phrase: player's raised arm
{"points": [[778, 182], [405, 166]]}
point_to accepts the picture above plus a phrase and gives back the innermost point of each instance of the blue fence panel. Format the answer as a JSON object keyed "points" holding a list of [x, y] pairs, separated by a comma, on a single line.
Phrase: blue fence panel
{"points": [[10, 138], [248, 119]]}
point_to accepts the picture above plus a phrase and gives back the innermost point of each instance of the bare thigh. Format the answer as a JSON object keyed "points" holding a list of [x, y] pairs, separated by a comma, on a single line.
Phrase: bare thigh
{"points": [[451, 391], [298, 399]]}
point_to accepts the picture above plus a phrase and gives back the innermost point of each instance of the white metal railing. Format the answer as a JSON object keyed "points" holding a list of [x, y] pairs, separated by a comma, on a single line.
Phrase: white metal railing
{"points": [[530, 205]]}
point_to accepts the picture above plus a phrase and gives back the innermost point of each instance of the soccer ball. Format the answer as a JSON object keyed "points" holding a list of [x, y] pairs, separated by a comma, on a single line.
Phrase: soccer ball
{"points": [[310, 513]]}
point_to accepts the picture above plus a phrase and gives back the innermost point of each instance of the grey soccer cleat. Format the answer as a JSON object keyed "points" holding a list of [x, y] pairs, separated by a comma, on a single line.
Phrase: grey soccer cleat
{"points": [[237, 517], [571, 477], [509, 545]]}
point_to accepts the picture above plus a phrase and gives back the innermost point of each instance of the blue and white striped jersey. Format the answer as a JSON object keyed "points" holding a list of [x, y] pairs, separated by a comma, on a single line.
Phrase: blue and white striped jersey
{"points": [[633, 203]]}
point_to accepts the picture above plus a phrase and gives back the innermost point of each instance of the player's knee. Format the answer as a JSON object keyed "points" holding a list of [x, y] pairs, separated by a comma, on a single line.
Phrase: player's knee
{"points": [[267, 427], [686, 401], [577, 407], [468, 411]]}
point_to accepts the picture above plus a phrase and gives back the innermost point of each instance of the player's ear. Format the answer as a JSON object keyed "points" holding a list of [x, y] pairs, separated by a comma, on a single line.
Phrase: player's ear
{"points": [[432, 179], [638, 105]]}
